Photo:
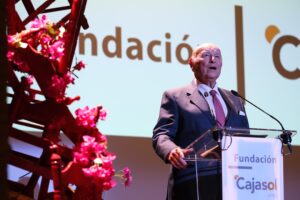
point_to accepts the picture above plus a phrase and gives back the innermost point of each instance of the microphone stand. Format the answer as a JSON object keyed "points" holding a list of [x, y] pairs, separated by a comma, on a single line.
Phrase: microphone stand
{"points": [[285, 136]]}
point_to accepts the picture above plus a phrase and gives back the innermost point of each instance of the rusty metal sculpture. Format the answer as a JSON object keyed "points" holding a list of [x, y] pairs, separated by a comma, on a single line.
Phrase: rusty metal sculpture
{"points": [[49, 115]]}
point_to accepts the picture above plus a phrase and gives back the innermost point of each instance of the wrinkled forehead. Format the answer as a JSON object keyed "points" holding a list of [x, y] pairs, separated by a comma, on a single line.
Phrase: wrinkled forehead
{"points": [[212, 48]]}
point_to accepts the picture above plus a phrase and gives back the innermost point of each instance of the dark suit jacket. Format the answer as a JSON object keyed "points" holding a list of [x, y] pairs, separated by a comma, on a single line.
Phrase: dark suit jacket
{"points": [[184, 116]]}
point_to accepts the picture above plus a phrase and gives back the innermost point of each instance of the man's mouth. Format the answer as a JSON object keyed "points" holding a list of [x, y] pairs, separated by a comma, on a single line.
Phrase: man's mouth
{"points": [[213, 68]]}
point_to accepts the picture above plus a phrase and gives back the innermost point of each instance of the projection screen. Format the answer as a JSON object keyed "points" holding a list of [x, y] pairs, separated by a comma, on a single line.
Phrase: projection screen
{"points": [[136, 49]]}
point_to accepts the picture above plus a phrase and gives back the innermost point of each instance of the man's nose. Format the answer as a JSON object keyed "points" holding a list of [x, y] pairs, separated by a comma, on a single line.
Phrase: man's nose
{"points": [[212, 59]]}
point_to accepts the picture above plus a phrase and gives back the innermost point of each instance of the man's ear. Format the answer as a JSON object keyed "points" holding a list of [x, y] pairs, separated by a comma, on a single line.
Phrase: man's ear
{"points": [[191, 63]]}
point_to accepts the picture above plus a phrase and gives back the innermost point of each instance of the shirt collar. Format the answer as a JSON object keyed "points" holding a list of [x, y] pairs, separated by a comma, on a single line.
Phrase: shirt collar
{"points": [[203, 88]]}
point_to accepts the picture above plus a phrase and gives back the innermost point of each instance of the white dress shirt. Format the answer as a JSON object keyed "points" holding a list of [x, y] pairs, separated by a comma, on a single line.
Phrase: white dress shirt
{"points": [[205, 89]]}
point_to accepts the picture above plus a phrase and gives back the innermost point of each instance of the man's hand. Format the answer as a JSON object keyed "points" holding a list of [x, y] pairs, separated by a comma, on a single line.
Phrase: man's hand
{"points": [[176, 157]]}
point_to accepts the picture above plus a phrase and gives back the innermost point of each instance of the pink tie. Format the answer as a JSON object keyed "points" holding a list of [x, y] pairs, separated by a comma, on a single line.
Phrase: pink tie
{"points": [[220, 115]]}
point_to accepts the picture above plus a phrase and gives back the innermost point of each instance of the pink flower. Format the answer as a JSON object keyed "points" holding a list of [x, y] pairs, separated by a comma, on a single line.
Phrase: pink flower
{"points": [[100, 176], [45, 40], [103, 114], [68, 78], [83, 160], [57, 87], [88, 139], [27, 81], [88, 117], [11, 39], [10, 55], [17, 59], [39, 23], [84, 118], [80, 65], [56, 50], [30, 79], [96, 162], [90, 151], [127, 176]]}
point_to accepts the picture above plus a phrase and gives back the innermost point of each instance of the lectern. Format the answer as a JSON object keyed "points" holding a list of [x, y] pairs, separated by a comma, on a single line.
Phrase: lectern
{"points": [[251, 160]]}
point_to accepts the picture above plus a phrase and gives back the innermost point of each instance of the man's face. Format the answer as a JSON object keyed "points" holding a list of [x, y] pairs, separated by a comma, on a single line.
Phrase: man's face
{"points": [[207, 63]]}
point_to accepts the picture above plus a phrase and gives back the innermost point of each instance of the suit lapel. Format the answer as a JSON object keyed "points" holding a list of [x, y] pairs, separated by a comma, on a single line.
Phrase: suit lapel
{"points": [[198, 100], [229, 102]]}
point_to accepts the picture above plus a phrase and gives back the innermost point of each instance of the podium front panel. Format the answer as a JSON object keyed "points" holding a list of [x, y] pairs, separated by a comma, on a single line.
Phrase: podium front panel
{"points": [[252, 168]]}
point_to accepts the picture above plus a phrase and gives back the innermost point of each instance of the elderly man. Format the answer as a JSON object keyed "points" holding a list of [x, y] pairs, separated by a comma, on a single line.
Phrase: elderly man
{"points": [[185, 114]]}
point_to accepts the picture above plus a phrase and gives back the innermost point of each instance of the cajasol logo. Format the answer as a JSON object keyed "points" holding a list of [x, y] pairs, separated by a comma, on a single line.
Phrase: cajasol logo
{"points": [[253, 185], [281, 42]]}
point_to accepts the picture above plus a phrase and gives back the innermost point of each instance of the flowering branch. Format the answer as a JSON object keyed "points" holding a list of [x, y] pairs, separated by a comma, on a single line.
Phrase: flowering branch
{"points": [[44, 38], [92, 154]]}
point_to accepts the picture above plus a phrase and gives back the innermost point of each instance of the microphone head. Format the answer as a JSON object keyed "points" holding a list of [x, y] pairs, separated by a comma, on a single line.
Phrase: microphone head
{"points": [[235, 93]]}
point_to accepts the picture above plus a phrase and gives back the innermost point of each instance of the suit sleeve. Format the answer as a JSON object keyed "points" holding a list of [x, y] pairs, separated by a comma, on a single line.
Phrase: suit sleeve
{"points": [[164, 131], [239, 119], [245, 122]]}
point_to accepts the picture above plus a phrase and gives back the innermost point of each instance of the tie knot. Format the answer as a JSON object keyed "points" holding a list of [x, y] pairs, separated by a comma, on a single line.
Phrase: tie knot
{"points": [[213, 93]]}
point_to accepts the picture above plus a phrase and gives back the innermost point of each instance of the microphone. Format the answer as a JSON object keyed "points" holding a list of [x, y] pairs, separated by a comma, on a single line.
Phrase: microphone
{"points": [[238, 95], [285, 136]]}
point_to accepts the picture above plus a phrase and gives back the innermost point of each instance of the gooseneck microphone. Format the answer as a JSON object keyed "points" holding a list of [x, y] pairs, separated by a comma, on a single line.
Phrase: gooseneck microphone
{"points": [[238, 95], [285, 136]]}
